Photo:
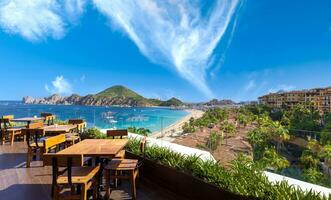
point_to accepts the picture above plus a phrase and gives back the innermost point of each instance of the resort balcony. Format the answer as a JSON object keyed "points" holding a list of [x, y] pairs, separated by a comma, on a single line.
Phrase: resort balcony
{"points": [[155, 182], [19, 182]]}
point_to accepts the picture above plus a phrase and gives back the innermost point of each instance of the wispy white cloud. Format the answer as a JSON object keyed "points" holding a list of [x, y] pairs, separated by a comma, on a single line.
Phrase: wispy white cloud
{"points": [[74, 9], [38, 19], [59, 86], [250, 85], [175, 33], [82, 78], [282, 87]]}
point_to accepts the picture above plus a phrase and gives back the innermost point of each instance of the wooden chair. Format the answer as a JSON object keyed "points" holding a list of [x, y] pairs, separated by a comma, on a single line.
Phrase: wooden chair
{"points": [[117, 133], [48, 118], [8, 131], [74, 175], [38, 143], [124, 169], [74, 137], [120, 134], [34, 139]]}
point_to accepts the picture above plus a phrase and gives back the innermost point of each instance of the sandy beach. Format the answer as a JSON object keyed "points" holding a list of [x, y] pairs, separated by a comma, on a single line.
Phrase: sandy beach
{"points": [[176, 128]]}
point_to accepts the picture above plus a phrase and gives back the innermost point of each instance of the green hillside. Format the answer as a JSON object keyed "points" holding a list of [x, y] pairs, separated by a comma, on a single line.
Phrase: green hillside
{"points": [[172, 102], [121, 95], [118, 91]]}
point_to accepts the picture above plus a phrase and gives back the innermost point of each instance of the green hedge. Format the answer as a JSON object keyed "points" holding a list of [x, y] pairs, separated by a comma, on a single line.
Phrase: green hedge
{"points": [[243, 177], [93, 133]]}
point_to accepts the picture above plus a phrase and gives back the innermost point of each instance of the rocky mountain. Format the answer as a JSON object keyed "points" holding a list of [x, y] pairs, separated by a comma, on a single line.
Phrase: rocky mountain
{"points": [[116, 95]]}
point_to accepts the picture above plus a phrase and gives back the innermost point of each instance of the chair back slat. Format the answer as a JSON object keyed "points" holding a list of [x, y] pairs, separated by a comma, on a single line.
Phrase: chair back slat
{"points": [[81, 124], [48, 118], [36, 125], [62, 160], [75, 121], [45, 114], [10, 117], [53, 141], [117, 133]]}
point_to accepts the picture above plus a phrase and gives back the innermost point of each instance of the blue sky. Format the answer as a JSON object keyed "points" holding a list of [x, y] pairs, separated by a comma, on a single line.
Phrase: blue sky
{"points": [[194, 50]]}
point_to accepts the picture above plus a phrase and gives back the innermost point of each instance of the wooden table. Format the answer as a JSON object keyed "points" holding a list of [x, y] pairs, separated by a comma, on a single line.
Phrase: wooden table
{"points": [[28, 120], [57, 129], [96, 148]]}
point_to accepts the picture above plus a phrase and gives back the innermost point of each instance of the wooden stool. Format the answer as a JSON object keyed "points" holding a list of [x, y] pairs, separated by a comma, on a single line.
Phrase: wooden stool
{"points": [[127, 169], [123, 169]]}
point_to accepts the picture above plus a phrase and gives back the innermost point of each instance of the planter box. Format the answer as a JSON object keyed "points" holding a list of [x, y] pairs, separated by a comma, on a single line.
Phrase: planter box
{"points": [[181, 183]]}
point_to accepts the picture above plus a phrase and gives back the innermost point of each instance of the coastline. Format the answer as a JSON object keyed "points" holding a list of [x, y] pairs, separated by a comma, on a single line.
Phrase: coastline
{"points": [[176, 128]]}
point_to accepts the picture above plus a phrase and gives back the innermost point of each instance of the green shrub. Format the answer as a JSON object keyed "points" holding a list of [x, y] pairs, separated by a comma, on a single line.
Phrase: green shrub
{"points": [[313, 175], [60, 122], [139, 131], [93, 133], [228, 128], [244, 177], [188, 128], [271, 159]]}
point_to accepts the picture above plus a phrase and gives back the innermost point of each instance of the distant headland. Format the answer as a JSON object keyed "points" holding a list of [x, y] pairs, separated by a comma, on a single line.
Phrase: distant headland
{"points": [[117, 96]]}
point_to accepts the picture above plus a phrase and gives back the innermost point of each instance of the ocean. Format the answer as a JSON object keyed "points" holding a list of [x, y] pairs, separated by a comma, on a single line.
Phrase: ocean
{"points": [[103, 117]]}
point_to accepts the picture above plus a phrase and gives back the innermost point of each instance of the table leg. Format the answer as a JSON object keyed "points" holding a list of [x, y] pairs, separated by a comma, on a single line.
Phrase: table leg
{"points": [[98, 161], [107, 186]]}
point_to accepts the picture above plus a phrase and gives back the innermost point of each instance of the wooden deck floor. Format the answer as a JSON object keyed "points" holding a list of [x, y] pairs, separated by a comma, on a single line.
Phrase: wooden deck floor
{"points": [[18, 182]]}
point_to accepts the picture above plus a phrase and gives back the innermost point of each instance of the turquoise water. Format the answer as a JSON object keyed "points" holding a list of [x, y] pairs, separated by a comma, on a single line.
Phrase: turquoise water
{"points": [[102, 117]]}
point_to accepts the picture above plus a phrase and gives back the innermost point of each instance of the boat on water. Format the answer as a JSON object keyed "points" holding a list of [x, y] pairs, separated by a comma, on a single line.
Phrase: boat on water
{"points": [[138, 119], [108, 117]]}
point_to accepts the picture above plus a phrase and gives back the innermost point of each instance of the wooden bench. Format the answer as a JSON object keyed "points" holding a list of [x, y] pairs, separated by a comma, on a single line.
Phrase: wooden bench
{"points": [[75, 175], [54, 143], [37, 142]]}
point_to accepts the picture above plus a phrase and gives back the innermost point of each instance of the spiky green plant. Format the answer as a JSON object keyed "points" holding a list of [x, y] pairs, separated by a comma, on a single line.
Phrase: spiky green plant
{"points": [[213, 141], [244, 177]]}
